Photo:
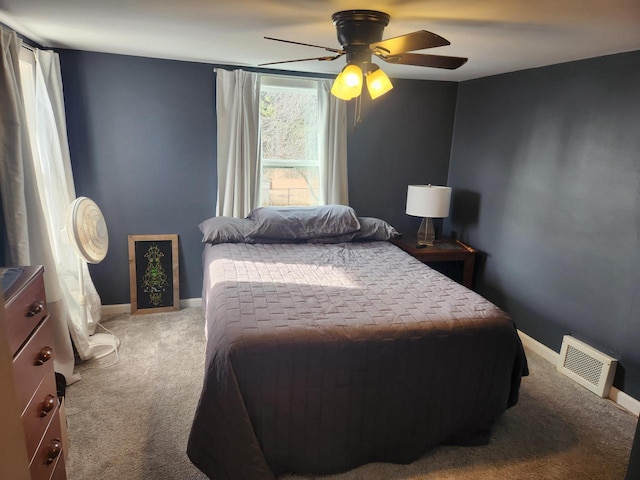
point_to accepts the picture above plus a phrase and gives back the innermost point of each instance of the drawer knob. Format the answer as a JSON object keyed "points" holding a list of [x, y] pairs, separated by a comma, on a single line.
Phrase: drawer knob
{"points": [[44, 355], [54, 450], [48, 405], [35, 309]]}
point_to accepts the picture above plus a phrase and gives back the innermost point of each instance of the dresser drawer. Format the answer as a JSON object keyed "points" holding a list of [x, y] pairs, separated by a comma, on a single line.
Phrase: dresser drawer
{"points": [[49, 452], [38, 414], [60, 471], [32, 361], [24, 312]]}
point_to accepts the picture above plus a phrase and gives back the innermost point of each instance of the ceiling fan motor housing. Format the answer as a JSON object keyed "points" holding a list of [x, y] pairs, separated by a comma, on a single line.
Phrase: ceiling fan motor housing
{"points": [[357, 29]]}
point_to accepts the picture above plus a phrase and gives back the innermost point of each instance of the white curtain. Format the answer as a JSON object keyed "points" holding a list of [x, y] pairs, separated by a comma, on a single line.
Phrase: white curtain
{"points": [[43, 169], [15, 152], [237, 112], [332, 142]]}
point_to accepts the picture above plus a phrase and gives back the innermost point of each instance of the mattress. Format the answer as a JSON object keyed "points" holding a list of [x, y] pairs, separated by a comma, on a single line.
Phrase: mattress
{"points": [[323, 357]]}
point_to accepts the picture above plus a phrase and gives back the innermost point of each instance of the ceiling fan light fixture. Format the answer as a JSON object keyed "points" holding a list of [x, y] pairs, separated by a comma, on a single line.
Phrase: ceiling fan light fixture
{"points": [[378, 82], [348, 83]]}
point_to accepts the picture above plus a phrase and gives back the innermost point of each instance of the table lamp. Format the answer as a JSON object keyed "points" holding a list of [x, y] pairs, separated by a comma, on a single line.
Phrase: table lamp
{"points": [[428, 202]]}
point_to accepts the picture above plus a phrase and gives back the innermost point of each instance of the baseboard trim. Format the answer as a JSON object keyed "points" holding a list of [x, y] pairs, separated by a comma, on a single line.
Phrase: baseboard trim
{"points": [[616, 396], [118, 309], [110, 310], [625, 401], [545, 352], [190, 302]]}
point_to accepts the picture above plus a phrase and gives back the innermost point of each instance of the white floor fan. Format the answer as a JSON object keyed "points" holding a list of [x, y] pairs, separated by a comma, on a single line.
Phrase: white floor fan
{"points": [[88, 234]]}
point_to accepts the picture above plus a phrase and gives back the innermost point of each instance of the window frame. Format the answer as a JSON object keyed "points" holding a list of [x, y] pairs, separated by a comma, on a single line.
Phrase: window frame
{"points": [[277, 83]]}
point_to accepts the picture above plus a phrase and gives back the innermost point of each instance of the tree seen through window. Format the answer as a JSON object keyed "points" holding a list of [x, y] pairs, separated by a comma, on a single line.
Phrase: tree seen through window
{"points": [[289, 146]]}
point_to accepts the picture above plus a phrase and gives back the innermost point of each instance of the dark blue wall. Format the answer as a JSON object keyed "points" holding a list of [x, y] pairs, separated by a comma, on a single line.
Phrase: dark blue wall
{"points": [[404, 138], [546, 169], [142, 141], [142, 138]]}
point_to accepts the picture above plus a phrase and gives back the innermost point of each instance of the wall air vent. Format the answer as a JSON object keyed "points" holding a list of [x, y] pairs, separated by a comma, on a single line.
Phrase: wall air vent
{"points": [[587, 366]]}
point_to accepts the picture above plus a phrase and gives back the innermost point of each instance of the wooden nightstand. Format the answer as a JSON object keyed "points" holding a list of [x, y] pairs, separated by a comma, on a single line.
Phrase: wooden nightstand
{"points": [[443, 250]]}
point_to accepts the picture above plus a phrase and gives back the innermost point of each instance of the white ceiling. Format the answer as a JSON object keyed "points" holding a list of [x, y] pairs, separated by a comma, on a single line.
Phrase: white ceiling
{"points": [[496, 35]]}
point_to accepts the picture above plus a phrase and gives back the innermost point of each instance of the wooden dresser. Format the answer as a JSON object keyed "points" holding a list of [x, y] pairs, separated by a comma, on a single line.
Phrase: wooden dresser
{"points": [[29, 330]]}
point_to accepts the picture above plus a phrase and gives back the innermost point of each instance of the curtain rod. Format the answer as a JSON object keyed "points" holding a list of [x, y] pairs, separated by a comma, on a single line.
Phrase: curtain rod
{"points": [[28, 47], [276, 73]]}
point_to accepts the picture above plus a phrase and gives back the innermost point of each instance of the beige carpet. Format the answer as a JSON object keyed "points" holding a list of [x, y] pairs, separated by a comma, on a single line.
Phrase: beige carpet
{"points": [[130, 420]]}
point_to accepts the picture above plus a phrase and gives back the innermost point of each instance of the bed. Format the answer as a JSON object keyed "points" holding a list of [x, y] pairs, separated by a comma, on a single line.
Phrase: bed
{"points": [[322, 356]]}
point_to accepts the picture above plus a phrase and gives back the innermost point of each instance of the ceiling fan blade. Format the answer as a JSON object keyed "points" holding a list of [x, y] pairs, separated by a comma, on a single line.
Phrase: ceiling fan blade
{"points": [[302, 60], [423, 60], [408, 43], [328, 49]]}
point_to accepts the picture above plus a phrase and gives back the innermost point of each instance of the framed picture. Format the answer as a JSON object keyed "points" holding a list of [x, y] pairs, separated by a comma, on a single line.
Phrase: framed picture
{"points": [[154, 273]]}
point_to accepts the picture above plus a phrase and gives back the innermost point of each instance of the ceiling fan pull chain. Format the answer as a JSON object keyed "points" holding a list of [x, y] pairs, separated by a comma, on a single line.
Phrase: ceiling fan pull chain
{"points": [[357, 110]]}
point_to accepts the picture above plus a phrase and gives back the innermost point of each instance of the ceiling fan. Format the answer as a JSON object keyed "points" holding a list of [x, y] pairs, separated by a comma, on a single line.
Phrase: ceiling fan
{"points": [[360, 35]]}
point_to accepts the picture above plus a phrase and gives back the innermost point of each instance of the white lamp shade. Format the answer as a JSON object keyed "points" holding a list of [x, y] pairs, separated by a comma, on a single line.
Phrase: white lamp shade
{"points": [[428, 201]]}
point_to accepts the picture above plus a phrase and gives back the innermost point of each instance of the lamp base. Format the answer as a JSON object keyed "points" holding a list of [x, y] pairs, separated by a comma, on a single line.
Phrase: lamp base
{"points": [[426, 233]]}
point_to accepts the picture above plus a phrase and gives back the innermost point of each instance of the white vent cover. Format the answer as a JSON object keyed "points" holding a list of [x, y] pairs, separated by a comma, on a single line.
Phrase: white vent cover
{"points": [[587, 366]]}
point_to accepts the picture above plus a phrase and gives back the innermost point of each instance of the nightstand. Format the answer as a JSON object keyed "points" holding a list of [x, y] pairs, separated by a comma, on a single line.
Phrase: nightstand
{"points": [[443, 250]]}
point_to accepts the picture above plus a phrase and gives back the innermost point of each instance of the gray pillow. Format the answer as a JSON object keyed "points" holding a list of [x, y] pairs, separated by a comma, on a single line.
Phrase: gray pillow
{"points": [[370, 229], [375, 229], [347, 237], [302, 223], [225, 230]]}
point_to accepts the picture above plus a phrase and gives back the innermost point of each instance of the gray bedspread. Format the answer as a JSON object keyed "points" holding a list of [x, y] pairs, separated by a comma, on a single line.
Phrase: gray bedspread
{"points": [[324, 357]]}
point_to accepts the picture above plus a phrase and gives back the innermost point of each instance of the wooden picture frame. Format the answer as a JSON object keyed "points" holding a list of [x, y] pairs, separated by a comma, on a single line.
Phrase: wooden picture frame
{"points": [[154, 273]]}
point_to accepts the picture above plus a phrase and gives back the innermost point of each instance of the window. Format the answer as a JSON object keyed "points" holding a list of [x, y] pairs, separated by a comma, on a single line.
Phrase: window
{"points": [[289, 160]]}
